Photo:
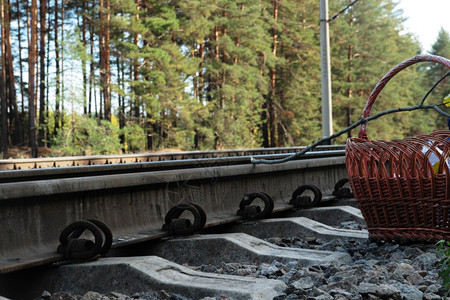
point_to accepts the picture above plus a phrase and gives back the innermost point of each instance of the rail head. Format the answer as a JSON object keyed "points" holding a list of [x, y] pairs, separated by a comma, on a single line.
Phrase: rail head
{"points": [[26, 189], [18, 175], [78, 161]]}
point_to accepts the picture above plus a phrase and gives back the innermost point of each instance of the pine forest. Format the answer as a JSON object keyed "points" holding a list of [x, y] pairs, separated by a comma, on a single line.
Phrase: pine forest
{"points": [[123, 76]]}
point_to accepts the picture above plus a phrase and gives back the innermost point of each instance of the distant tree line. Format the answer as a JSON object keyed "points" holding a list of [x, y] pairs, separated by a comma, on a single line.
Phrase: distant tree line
{"points": [[108, 76]]}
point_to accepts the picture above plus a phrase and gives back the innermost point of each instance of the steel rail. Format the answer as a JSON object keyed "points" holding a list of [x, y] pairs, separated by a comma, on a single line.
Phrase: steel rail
{"points": [[34, 209], [76, 161], [95, 170]]}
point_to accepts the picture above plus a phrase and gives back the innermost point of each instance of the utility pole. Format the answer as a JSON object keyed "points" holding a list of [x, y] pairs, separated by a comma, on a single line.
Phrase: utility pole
{"points": [[327, 117]]}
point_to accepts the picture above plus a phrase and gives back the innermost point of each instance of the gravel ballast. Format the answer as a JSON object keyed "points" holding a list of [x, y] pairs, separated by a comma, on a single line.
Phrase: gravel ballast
{"points": [[377, 271]]}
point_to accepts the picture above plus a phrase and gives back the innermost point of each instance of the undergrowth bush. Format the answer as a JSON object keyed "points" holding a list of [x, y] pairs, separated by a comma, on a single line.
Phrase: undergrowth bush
{"points": [[134, 138], [86, 136], [443, 249]]}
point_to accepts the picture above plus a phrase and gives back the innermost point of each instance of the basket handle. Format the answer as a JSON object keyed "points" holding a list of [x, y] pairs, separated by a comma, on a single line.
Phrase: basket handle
{"points": [[382, 83]]}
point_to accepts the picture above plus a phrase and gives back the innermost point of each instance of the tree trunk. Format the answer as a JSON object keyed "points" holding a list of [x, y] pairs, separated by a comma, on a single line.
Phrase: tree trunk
{"points": [[264, 125], [42, 107], [19, 34], [121, 99], [58, 83], [201, 80], [83, 61], [63, 113], [100, 104], [14, 122], [132, 99], [91, 72], [122, 108], [272, 121], [47, 79], [31, 78], [4, 136], [135, 70], [263, 114], [195, 78], [105, 72], [349, 80], [218, 78]]}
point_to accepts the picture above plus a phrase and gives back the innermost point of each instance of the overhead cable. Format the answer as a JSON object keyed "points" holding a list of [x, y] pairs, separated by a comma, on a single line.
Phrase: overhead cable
{"points": [[341, 12]]}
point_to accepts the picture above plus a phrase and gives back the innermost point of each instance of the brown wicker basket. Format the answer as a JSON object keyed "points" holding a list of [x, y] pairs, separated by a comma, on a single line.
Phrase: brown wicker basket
{"points": [[402, 186]]}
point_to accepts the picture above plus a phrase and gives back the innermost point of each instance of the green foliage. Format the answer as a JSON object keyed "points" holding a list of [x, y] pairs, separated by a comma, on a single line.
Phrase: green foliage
{"points": [[227, 44], [298, 88], [134, 138], [75, 49], [359, 59], [85, 136], [443, 249], [229, 74], [441, 47], [442, 44]]}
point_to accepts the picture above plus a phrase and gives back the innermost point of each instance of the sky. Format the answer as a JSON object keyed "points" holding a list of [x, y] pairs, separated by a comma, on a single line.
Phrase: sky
{"points": [[425, 19]]}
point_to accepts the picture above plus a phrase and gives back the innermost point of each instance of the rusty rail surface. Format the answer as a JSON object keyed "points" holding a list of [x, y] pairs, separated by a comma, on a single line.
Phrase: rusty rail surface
{"points": [[133, 199]]}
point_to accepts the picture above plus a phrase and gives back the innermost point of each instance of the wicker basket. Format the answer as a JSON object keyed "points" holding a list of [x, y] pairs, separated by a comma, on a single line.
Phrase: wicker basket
{"points": [[402, 186]]}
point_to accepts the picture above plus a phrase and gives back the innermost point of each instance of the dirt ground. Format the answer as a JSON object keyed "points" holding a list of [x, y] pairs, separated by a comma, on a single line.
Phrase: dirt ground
{"points": [[25, 152]]}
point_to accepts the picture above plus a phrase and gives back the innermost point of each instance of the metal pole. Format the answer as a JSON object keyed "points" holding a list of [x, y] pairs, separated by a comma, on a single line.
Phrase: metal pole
{"points": [[327, 118]]}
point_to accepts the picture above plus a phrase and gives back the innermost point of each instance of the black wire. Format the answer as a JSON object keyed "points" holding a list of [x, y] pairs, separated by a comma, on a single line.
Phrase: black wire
{"points": [[432, 88], [342, 11], [359, 122]]}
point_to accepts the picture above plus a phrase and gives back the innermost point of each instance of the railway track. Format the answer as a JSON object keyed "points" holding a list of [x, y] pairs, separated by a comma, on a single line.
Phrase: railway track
{"points": [[315, 253], [139, 202], [243, 242], [134, 198], [125, 159], [15, 172]]}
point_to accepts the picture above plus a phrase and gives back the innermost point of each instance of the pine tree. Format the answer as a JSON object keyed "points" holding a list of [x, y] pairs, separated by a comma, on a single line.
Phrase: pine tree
{"points": [[440, 47], [366, 42], [31, 79], [42, 106], [105, 71], [240, 86], [229, 78], [220, 73], [57, 117], [297, 88], [3, 101]]}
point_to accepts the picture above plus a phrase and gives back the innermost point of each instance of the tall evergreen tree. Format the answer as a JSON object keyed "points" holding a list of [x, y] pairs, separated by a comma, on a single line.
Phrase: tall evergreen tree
{"points": [[238, 86], [105, 70], [296, 94], [366, 43], [13, 130], [31, 79], [3, 101], [220, 73], [57, 118], [440, 47], [42, 59], [228, 51]]}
